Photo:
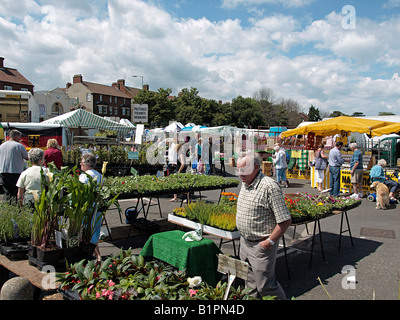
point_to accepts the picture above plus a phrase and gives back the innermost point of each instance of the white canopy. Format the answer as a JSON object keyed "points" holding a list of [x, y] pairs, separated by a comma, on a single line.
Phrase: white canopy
{"points": [[84, 119]]}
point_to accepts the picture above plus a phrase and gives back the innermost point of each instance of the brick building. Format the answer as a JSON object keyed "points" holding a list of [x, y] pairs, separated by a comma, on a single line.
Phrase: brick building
{"points": [[107, 101], [16, 95]]}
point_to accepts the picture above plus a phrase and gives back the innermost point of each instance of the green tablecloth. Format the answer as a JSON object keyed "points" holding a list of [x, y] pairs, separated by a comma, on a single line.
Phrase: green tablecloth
{"points": [[199, 258]]}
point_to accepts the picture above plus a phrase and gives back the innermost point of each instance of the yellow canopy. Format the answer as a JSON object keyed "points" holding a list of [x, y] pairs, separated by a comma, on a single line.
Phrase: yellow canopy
{"points": [[391, 128], [336, 125]]}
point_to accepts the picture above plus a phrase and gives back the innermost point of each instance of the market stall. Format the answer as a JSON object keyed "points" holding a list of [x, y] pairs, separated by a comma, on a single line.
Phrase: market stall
{"points": [[303, 141]]}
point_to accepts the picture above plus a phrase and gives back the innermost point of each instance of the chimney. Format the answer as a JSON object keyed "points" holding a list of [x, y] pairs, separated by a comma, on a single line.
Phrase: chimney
{"points": [[68, 85], [115, 85], [77, 78], [1, 62], [121, 85], [146, 87]]}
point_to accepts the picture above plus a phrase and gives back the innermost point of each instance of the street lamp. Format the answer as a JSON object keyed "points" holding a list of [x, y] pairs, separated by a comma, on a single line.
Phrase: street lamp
{"points": [[140, 77]]}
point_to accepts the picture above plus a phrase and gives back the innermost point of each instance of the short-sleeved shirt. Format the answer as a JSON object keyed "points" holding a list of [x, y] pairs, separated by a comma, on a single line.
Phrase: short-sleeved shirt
{"points": [[260, 207], [30, 180], [12, 155], [92, 173], [357, 156]]}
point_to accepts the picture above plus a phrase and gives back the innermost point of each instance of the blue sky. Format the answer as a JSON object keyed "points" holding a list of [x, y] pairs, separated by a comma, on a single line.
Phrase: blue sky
{"points": [[303, 50]]}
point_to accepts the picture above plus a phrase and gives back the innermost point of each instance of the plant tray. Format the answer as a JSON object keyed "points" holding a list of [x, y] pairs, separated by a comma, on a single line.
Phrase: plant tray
{"points": [[60, 266], [15, 250], [229, 235]]}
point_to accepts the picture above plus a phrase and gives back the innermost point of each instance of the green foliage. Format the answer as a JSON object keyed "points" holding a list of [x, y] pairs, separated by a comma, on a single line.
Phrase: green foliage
{"points": [[174, 182], [313, 114], [128, 277], [15, 222]]}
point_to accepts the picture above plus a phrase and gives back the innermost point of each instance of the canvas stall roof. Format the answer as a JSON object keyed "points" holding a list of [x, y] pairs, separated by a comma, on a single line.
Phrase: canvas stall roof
{"points": [[84, 119], [334, 126]]}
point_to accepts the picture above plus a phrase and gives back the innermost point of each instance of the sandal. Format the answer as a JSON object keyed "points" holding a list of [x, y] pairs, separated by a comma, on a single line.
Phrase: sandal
{"points": [[174, 200]]}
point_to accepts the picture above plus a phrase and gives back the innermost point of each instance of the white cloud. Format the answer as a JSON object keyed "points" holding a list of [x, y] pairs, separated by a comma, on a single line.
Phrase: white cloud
{"points": [[286, 3], [320, 64]]}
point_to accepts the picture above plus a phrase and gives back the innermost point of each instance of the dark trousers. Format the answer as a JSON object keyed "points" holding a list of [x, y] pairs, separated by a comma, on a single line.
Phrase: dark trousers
{"points": [[10, 184], [334, 173]]}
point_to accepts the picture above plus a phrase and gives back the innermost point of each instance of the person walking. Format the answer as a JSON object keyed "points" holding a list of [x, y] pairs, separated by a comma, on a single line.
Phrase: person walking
{"points": [[335, 162], [262, 217], [12, 156], [280, 166], [356, 170]]}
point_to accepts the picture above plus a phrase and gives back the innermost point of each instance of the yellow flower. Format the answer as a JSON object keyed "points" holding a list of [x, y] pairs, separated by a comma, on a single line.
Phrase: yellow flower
{"points": [[50, 175], [103, 170], [35, 195]]}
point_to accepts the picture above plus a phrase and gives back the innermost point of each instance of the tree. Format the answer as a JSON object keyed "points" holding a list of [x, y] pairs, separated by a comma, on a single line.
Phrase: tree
{"points": [[245, 112], [266, 100], [313, 114], [385, 113], [187, 106], [293, 110], [336, 113]]}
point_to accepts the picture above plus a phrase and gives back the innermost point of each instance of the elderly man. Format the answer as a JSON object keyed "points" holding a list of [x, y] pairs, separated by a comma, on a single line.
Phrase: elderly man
{"points": [[262, 218], [12, 156]]}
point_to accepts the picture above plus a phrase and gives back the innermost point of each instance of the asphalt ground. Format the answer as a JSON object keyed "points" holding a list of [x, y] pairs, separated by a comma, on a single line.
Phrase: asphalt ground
{"points": [[365, 268]]}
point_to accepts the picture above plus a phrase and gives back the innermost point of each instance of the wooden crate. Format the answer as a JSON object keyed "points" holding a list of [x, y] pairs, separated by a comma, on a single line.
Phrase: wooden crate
{"points": [[267, 168]]}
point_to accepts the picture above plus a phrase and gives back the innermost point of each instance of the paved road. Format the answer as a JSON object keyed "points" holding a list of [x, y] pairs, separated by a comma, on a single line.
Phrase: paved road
{"points": [[372, 261]]}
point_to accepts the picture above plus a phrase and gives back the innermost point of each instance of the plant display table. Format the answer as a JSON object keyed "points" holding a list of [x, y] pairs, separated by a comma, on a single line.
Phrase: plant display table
{"points": [[228, 236], [199, 258], [22, 268]]}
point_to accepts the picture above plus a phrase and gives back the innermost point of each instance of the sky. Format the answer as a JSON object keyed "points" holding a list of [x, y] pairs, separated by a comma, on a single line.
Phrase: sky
{"points": [[334, 55]]}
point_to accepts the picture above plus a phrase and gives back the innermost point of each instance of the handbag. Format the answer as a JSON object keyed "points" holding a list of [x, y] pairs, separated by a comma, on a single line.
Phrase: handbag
{"points": [[320, 163]]}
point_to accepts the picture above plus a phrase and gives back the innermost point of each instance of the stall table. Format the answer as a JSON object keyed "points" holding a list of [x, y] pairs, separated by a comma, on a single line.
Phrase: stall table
{"points": [[199, 258]]}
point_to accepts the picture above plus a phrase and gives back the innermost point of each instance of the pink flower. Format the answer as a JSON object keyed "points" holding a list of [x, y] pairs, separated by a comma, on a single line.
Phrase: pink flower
{"points": [[98, 295], [110, 283], [90, 288], [192, 292]]}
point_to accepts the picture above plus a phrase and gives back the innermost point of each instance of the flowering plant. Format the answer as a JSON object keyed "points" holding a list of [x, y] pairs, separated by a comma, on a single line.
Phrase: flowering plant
{"points": [[315, 206], [222, 215], [129, 277]]}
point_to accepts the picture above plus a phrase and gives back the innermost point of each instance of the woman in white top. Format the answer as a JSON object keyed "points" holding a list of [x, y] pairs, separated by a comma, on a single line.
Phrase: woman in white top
{"points": [[30, 180], [320, 174], [88, 162]]}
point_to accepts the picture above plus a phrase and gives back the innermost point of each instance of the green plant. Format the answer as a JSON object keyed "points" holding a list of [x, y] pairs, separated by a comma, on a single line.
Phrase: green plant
{"points": [[15, 222], [47, 208], [129, 277]]}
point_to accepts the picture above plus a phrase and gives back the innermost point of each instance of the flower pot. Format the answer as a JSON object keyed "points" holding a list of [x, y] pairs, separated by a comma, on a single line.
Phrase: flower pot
{"points": [[32, 252], [86, 250], [49, 255], [72, 254]]}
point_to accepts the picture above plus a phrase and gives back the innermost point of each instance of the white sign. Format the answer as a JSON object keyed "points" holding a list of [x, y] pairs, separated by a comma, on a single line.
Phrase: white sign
{"points": [[140, 113], [138, 134]]}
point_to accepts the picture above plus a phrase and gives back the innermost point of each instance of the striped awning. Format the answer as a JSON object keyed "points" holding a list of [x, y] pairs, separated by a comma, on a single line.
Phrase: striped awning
{"points": [[87, 120]]}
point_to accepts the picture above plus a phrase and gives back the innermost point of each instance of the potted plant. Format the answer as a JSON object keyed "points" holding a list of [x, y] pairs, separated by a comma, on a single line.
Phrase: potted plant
{"points": [[15, 230], [85, 207], [47, 206]]}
